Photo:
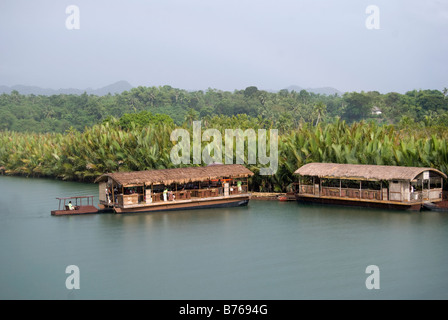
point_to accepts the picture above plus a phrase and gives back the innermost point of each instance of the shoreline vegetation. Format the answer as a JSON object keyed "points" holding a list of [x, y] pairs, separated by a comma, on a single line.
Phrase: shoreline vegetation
{"points": [[409, 130]]}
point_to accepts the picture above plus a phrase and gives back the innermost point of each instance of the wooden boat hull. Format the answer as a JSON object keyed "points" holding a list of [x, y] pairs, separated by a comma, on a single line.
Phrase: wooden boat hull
{"points": [[80, 210], [358, 203], [439, 207], [188, 205]]}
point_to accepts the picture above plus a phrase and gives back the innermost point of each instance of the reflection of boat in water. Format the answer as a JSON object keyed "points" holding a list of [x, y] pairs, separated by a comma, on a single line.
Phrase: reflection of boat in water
{"points": [[213, 186], [390, 187], [440, 206], [77, 207]]}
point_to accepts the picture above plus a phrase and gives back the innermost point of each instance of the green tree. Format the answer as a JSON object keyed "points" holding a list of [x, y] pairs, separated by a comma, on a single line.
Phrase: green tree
{"points": [[358, 106], [320, 109], [192, 115]]}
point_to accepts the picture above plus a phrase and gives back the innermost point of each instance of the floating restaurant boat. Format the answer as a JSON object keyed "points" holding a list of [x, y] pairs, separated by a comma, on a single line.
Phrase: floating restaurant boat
{"points": [[67, 208], [212, 186], [392, 187]]}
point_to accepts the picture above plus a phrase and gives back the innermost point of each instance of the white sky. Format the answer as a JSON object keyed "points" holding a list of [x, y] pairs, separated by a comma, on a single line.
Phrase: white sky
{"points": [[226, 44]]}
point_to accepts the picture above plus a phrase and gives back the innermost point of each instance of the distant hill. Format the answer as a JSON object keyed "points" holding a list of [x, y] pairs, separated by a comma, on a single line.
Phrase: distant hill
{"points": [[324, 90], [120, 86], [117, 87]]}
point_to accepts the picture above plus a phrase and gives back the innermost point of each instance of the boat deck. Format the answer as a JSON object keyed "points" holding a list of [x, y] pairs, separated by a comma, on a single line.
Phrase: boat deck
{"points": [[193, 202], [411, 205], [78, 210], [79, 207]]}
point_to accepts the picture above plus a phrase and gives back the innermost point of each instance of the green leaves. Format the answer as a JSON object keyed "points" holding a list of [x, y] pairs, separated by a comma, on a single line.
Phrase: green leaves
{"points": [[364, 143], [107, 148]]}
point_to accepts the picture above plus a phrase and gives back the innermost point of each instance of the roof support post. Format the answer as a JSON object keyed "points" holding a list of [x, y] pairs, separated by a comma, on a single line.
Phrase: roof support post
{"points": [[381, 189], [113, 192], [360, 191]]}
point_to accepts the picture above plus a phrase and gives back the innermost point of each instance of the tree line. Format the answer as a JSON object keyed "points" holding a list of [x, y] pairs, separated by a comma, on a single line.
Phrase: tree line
{"points": [[284, 109], [79, 137], [108, 147]]}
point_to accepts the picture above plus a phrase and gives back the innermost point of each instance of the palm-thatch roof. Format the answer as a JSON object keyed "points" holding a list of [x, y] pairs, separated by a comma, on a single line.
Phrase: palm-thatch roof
{"points": [[362, 171], [177, 175]]}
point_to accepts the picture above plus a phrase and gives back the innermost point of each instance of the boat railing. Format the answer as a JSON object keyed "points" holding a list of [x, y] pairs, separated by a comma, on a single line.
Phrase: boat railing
{"points": [[78, 201], [308, 189], [180, 195], [366, 194], [352, 193], [416, 196], [369, 194]]}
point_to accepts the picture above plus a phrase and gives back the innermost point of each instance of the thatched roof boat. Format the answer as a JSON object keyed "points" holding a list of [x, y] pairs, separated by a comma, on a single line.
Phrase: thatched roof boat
{"points": [[369, 185], [362, 171], [212, 186], [177, 175]]}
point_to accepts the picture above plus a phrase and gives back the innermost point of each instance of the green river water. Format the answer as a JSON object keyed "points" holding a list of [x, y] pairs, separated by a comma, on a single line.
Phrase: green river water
{"points": [[267, 250]]}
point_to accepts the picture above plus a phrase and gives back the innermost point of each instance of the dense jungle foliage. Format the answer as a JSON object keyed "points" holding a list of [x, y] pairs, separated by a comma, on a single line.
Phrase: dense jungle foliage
{"points": [[284, 109], [80, 137]]}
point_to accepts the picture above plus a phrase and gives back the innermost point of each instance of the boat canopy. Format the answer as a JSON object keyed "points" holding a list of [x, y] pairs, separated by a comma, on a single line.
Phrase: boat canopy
{"points": [[363, 171], [177, 175]]}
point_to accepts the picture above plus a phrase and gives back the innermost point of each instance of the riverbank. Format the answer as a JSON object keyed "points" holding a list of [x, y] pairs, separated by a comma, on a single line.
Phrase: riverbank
{"points": [[266, 195]]}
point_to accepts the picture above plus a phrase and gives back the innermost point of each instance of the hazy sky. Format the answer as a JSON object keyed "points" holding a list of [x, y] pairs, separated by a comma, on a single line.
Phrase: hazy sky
{"points": [[226, 44]]}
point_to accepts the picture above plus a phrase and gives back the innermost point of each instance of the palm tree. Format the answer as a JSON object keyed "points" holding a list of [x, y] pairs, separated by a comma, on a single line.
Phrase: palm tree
{"points": [[191, 116], [320, 109]]}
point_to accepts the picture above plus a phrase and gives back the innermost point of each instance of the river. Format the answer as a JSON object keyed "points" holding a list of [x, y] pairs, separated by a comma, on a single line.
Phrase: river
{"points": [[267, 250]]}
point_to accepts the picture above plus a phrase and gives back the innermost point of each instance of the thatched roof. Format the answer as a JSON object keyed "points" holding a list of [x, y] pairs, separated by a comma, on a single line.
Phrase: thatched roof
{"points": [[177, 175], [362, 171]]}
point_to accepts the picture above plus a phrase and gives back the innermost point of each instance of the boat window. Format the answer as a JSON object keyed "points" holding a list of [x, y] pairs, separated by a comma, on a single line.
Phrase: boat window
{"points": [[334, 183], [418, 185], [435, 183], [350, 184], [371, 185], [158, 188], [306, 180]]}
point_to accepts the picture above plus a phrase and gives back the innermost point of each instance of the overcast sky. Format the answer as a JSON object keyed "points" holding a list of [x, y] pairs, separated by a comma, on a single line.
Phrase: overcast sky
{"points": [[226, 44]]}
